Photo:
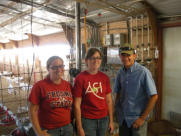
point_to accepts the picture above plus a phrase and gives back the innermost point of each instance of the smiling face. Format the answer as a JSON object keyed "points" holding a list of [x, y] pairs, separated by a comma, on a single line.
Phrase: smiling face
{"points": [[94, 62], [56, 69], [127, 60]]}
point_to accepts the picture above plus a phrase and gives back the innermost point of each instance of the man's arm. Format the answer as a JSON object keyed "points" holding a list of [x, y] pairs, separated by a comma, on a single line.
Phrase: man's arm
{"points": [[151, 103]]}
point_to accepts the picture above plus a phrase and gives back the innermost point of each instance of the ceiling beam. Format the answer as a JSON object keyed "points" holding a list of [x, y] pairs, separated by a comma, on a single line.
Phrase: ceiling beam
{"points": [[9, 5], [34, 38], [68, 33], [119, 7], [46, 8], [14, 43], [113, 8], [9, 21], [22, 14], [51, 10], [98, 5], [14, 9], [128, 10], [2, 45]]}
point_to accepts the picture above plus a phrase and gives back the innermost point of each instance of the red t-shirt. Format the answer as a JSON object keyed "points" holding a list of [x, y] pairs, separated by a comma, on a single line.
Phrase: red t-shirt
{"points": [[93, 90], [54, 102]]}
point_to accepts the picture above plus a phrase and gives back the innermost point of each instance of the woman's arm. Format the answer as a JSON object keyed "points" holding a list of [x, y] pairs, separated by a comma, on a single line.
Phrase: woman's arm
{"points": [[33, 111], [110, 111], [77, 114]]}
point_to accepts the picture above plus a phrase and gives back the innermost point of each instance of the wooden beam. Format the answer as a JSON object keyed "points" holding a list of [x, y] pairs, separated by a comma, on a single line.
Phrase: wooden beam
{"points": [[35, 38], [29, 20], [9, 21], [115, 9], [9, 5], [2, 45], [157, 41], [159, 80], [14, 43], [68, 33], [45, 7], [171, 24], [20, 15], [122, 7], [98, 5], [153, 22]]}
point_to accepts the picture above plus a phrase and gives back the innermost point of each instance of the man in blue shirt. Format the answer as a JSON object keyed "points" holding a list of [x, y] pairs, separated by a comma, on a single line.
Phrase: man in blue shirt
{"points": [[136, 94]]}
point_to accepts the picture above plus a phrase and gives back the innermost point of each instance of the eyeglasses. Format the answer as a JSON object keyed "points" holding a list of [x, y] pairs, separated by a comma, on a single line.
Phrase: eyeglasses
{"points": [[95, 58], [125, 49], [57, 67]]}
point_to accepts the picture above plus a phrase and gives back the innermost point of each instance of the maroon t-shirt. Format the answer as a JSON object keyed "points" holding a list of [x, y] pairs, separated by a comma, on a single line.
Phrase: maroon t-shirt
{"points": [[92, 89], [54, 102]]}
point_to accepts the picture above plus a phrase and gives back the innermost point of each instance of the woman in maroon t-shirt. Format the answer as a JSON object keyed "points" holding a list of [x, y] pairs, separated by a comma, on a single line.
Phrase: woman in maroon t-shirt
{"points": [[51, 101], [92, 98]]}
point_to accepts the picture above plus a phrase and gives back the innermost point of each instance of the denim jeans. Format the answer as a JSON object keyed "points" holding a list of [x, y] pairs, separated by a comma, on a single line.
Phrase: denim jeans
{"points": [[125, 131], [62, 131], [95, 127]]}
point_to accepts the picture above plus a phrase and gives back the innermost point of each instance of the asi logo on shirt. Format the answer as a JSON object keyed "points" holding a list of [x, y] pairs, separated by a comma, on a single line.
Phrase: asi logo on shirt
{"points": [[94, 89]]}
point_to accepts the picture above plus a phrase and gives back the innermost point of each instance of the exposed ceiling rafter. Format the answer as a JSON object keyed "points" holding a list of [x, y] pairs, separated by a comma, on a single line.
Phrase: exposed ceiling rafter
{"points": [[14, 43], [9, 5], [98, 5], [2, 45], [20, 15], [35, 38], [51, 10], [44, 7], [128, 10], [120, 9], [18, 11]]}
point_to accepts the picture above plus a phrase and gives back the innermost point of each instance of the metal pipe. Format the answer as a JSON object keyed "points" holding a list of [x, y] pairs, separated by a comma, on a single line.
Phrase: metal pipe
{"points": [[142, 44], [78, 35], [131, 31], [136, 31]]}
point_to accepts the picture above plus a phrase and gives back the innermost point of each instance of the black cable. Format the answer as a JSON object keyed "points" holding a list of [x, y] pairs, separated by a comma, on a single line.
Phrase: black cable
{"points": [[31, 73]]}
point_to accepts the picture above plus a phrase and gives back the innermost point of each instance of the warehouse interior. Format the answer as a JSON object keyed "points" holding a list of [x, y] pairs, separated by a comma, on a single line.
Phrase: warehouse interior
{"points": [[33, 30]]}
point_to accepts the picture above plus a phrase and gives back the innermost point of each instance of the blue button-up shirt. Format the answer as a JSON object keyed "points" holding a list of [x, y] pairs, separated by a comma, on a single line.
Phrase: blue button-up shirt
{"points": [[135, 85]]}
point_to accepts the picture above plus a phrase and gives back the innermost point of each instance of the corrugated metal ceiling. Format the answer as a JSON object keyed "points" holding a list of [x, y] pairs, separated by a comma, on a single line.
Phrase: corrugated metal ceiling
{"points": [[15, 15]]}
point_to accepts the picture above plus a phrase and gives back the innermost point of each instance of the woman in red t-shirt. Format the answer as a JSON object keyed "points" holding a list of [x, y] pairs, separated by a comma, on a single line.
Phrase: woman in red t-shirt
{"points": [[92, 98], [50, 102]]}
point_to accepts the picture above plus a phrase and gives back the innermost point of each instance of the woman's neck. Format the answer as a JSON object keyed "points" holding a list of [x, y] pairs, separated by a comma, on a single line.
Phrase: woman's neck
{"points": [[92, 71], [56, 81]]}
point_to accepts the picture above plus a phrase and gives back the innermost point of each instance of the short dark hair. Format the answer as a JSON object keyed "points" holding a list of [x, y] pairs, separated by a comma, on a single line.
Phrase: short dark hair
{"points": [[91, 52], [51, 59]]}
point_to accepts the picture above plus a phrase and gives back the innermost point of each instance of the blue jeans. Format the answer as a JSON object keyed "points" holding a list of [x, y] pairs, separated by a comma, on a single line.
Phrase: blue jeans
{"points": [[95, 127], [125, 131], [62, 131]]}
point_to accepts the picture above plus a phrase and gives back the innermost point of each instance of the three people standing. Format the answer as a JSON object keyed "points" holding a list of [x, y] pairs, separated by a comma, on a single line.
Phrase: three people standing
{"points": [[51, 99]]}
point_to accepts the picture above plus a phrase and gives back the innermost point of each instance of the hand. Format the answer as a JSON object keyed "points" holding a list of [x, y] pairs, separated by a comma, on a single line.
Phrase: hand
{"points": [[138, 123], [111, 127], [44, 133], [81, 132]]}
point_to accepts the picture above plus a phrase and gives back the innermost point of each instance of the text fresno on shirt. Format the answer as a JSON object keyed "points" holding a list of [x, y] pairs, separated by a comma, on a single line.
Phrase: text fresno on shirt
{"points": [[59, 99]]}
